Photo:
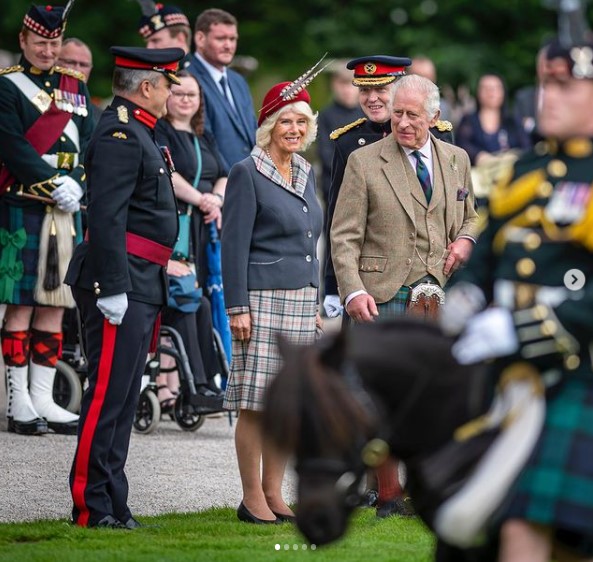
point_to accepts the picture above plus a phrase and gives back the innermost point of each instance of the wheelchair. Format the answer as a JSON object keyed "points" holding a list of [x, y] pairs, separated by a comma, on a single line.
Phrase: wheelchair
{"points": [[185, 414], [71, 377]]}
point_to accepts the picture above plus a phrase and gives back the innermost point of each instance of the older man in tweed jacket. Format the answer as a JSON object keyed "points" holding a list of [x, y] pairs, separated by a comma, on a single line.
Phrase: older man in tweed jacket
{"points": [[398, 222]]}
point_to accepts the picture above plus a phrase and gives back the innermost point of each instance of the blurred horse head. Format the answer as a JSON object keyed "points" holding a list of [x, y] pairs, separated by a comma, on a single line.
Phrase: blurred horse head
{"points": [[346, 402]]}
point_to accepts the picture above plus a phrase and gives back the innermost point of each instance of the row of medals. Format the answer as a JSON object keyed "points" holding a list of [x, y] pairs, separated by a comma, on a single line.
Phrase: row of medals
{"points": [[71, 102]]}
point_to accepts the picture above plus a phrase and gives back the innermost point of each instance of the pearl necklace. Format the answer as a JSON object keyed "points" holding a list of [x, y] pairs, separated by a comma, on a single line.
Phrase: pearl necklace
{"points": [[277, 169]]}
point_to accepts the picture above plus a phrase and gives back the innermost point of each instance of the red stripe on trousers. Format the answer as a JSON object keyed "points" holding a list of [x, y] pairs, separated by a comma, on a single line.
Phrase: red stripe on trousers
{"points": [[81, 470]]}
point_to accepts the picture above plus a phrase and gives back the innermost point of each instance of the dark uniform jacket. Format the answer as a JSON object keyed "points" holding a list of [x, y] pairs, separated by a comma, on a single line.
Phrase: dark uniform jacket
{"points": [[129, 190], [540, 227], [361, 132], [18, 114], [330, 118]]}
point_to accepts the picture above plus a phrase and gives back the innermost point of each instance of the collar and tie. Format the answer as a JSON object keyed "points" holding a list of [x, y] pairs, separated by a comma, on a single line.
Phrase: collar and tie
{"points": [[423, 175]]}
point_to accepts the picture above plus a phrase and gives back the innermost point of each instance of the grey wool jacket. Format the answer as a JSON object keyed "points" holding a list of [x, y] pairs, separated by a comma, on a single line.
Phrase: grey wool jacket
{"points": [[270, 232]]}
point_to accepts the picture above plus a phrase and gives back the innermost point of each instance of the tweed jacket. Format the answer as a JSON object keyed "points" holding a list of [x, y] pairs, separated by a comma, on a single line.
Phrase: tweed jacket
{"points": [[234, 131], [373, 232]]}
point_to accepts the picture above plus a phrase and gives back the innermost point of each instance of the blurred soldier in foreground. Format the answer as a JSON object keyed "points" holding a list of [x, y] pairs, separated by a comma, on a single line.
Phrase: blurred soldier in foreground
{"points": [[533, 269]]}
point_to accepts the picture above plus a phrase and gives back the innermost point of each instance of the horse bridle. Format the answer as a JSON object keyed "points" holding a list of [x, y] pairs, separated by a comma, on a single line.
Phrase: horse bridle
{"points": [[365, 452]]}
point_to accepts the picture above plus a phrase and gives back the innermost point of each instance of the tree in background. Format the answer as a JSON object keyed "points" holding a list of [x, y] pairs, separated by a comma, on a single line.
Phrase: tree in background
{"points": [[465, 38]]}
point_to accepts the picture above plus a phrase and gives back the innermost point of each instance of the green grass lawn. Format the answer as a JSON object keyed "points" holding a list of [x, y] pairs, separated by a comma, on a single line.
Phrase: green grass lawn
{"points": [[215, 536]]}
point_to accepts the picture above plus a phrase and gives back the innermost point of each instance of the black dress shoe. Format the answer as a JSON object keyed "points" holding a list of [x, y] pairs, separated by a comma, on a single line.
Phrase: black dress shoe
{"points": [[38, 426], [205, 401], [245, 515], [285, 517], [398, 506], [214, 388], [70, 428], [108, 522], [132, 524]]}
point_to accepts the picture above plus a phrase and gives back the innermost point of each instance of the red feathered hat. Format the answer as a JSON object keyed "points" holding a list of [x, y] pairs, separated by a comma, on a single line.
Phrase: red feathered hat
{"points": [[274, 100]]}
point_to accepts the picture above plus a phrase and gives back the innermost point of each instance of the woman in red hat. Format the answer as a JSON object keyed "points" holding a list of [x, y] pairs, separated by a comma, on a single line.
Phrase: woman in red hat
{"points": [[271, 280]]}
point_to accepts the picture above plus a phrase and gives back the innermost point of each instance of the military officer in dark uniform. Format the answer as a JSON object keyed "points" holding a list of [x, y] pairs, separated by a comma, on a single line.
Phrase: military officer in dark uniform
{"points": [[44, 130], [165, 27], [373, 76], [118, 275], [533, 269]]}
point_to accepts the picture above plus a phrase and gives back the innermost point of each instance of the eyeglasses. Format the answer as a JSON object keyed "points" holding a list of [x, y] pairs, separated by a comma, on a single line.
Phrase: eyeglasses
{"points": [[69, 63], [181, 95]]}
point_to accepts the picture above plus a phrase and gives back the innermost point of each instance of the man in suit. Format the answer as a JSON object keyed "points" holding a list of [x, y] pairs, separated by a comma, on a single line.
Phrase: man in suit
{"points": [[374, 76], [229, 107], [118, 276], [389, 232]]}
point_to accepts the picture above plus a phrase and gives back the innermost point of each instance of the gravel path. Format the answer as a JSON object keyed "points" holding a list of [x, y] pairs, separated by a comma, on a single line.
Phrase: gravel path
{"points": [[169, 470]]}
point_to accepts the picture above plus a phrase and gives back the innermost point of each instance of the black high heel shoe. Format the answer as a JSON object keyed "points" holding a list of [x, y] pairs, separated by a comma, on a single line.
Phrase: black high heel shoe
{"points": [[245, 515]]}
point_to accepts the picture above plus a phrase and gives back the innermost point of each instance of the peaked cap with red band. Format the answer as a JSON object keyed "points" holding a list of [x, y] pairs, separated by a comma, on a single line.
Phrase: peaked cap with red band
{"points": [[162, 16], [164, 61], [377, 70], [46, 21], [274, 101]]}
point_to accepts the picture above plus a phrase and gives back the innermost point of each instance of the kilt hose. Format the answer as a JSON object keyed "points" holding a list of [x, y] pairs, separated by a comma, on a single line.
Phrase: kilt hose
{"points": [[116, 358]]}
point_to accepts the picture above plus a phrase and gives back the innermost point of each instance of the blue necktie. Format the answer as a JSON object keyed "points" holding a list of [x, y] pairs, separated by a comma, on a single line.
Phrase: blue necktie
{"points": [[423, 175], [223, 85]]}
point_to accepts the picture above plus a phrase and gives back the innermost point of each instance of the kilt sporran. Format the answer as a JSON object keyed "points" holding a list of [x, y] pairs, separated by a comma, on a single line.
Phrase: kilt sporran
{"points": [[56, 245]]}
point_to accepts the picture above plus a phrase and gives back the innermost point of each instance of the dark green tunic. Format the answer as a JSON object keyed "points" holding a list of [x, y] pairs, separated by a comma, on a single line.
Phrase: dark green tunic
{"points": [[540, 227], [19, 253]]}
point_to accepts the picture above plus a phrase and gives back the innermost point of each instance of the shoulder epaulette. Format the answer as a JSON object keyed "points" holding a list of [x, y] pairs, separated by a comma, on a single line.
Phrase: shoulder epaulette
{"points": [[70, 72], [339, 132], [444, 126], [11, 69]]}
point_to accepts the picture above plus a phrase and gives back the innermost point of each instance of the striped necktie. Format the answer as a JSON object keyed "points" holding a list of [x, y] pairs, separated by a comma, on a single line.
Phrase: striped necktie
{"points": [[423, 175]]}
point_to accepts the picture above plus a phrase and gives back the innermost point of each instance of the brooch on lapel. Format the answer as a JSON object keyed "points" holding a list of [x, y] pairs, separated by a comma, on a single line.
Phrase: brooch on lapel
{"points": [[462, 193], [453, 163]]}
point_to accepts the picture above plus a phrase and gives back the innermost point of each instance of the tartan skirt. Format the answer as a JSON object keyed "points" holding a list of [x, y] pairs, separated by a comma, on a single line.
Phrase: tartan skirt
{"points": [[18, 285], [556, 486], [290, 312], [17, 288]]}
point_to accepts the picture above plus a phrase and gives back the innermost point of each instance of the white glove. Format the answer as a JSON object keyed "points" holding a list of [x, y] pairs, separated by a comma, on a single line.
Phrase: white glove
{"points": [[332, 306], [488, 335], [68, 194], [113, 307], [461, 303]]}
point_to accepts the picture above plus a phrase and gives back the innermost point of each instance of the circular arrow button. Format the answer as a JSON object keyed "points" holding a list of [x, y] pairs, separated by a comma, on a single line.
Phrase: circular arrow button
{"points": [[574, 279]]}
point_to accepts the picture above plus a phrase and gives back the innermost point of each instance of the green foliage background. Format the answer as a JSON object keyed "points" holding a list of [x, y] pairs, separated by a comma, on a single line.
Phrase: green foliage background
{"points": [[464, 37]]}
